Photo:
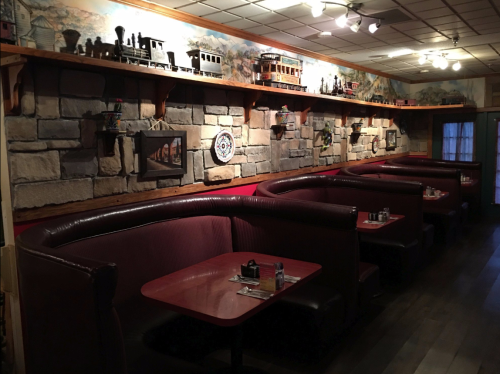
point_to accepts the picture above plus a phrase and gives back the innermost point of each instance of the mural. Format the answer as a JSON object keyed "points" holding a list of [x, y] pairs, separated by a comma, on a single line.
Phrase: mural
{"points": [[40, 24], [432, 93]]}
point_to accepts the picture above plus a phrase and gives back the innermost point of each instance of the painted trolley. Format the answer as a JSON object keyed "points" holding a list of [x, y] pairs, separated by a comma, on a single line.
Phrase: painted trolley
{"points": [[281, 72]]}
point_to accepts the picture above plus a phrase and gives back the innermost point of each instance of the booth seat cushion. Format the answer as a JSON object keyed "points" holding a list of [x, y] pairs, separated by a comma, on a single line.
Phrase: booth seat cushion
{"points": [[369, 282], [465, 212]]}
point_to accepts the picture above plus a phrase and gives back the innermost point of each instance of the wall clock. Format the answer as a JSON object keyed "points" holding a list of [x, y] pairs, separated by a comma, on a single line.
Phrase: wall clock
{"points": [[224, 146], [375, 144]]}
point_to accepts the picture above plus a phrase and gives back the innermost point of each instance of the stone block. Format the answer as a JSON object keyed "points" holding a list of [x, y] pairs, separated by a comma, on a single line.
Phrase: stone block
{"points": [[297, 153], [244, 135], [28, 94], [337, 138], [289, 134], [343, 150], [179, 116], [220, 173], [285, 149], [88, 130], [352, 156], [385, 122], [211, 119], [423, 147], [309, 143], [34, 167], [188, 178], [198, 165], [215, 109], [21, 128], [106, 186], [214, 97], [109, 165], [322, 161], [306, 162], [238, 159], [47, 91], [258, 154], [236, 132], [34, 195], [81, 108], [173, 181], [78, 164], [263, 167], [275, 155], [330, 159], [414, 145], [259, 137], [257, 120], [198, 114], [358, 148], [236, 111], [238, 143], [127, 155], [137, 166], [238, 121], [225, 120], [366, 140], [27, 146], [211, 159], [82, 84], [135, 126], [306, 132], [130, 108], [193, 135], [209, 132], [359, 155], [316, 152], [294, 144], [58, 129], [327, 152], [237, 171], [147, 98], [404, 140], [382, 144], [248, 170], [317, 121], [63, 144], [207, 143], [302, 144], [138, 184], [289, 164], [336, 148]]}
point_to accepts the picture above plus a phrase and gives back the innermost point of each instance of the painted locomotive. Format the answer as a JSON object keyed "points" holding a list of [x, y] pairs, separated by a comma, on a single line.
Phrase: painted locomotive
{"points": [[281, 72], [405, 102], [347, 90], [453, 99], [206, 63], [7, 32]]}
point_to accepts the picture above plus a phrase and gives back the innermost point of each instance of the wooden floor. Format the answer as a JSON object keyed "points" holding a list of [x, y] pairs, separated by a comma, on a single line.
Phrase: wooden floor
{"points": [[447, 321]]}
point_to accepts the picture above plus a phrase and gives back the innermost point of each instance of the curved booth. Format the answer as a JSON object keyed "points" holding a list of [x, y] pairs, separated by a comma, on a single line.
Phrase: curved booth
{"points": [[397, 249], [471, 191], [80, 276], [444, 214]]}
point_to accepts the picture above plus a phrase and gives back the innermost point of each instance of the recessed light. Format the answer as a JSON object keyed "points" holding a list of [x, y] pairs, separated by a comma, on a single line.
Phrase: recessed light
{"points": [[325, 34], [424, 71]]}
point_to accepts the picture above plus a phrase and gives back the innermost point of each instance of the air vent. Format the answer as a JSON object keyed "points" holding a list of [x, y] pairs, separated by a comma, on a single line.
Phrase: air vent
{"points": [[391, 17]]}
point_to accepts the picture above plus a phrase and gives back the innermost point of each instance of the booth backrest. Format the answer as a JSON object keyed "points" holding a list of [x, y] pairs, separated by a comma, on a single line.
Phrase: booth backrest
{"points": [[77, 271], [442, 179], [403, 198]]}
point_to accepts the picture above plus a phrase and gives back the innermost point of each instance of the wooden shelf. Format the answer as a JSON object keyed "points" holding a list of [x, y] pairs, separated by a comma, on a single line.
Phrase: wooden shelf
{"points": [[254, 91]]}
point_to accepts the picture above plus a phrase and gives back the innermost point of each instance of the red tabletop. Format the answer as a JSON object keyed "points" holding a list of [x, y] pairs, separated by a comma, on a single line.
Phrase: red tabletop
{"points": [[371, 227], [470, 183], [204, 291], [435, 198]]}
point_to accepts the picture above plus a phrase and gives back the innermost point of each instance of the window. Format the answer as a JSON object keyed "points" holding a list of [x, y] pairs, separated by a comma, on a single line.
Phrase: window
{"points": [[458, 141], [497, 176]]}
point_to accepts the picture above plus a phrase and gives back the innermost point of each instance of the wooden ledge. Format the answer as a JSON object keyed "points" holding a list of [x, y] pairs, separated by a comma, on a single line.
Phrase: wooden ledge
{"points": [[109, 201]]}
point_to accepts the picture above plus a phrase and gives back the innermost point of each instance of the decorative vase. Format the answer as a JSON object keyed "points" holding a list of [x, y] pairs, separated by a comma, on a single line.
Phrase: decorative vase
{"points": [[282, 118], [112, 119]]}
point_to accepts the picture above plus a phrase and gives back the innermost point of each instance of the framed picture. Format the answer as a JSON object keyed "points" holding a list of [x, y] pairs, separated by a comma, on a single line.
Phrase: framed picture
{"points": [[391, 140], [163, 153]]}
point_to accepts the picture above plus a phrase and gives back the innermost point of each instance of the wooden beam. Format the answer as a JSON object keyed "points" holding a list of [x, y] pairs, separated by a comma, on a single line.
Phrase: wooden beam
{"points": [[307, 104], [249, 102], [12, 78], [163, 88], [116, 200]]}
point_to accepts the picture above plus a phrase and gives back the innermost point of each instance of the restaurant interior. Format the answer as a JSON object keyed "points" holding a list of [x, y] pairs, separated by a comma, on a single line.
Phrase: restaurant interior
{"points": [[250, 186]]}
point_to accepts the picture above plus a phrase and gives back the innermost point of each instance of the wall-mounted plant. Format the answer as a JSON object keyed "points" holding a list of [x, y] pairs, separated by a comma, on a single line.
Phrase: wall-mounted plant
{"points": [[327, 137], [281, 121]]}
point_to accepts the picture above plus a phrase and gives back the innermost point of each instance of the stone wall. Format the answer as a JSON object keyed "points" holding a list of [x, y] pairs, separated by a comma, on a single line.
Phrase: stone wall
{"points": [[56, 157], [418, 125]]}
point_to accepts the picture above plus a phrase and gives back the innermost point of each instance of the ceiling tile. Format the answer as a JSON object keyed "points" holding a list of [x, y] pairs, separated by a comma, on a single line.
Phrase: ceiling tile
{"points": [[442, 20], [427, 35], [477, 14], [325, 26], [225, 4], [242, 24], [295, 11], [435, 13], [278, 4], [259, 30], [472, 5], [481, 21], [248, 10], [267, 18], [351, 48], [302, 31], [198, 9], [409, 25], [283, 25], [173, 3], [222, 17], [310, 20], [422, 30], [425, 5]]}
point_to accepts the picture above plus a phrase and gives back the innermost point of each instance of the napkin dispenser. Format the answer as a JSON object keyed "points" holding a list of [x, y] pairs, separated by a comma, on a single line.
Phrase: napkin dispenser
{"points": [[250, 270]]}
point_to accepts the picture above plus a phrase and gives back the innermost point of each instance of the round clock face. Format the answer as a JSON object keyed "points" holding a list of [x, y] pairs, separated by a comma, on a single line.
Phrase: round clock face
{"points": [[224, 146], [375, 144]]}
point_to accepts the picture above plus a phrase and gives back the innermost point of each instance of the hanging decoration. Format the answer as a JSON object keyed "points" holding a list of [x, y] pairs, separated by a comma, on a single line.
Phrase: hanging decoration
{"points": [[224, 146], [375, 144], [327, 137]]}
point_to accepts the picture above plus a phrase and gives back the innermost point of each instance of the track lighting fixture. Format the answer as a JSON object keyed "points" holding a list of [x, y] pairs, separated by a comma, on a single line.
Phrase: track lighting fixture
{"points": [[439, 61], [443, 64], [456, 66], [318, 6], [422, 59], [355, 26], [436, 62]]}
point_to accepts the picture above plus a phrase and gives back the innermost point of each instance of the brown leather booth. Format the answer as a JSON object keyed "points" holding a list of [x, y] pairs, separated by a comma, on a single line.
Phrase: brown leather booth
{"points": [[80, 276], [471, 194], [397, 249], [445, 213]]}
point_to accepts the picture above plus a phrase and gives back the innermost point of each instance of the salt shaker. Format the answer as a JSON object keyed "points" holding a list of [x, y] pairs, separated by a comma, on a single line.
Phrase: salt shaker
{"points": [[381, 216], [428, 191], [388, 212], [433, 191]]}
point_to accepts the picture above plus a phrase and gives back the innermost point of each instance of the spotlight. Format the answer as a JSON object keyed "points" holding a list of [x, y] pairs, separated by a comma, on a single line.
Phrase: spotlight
{"points": [[436, 62], [355, 27], [317, 8], [422, 59], [374, 27], [443, 64], [456, 66], [342, 20]]}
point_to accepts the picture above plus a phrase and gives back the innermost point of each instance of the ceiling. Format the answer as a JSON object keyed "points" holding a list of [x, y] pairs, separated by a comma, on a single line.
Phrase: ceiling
{"points": [[429, 25]]}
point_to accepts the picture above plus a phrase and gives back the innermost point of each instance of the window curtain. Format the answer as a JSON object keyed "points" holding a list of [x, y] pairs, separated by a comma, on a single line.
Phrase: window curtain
{"points": [[458, 141]]}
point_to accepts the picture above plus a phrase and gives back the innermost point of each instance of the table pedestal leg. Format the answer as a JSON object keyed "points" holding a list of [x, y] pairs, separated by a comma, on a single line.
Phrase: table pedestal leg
{"points": [[236, 349]]}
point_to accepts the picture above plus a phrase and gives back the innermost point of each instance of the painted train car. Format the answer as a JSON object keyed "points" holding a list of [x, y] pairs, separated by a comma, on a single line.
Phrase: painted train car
{"points": [[208, 64], [280, 71]]}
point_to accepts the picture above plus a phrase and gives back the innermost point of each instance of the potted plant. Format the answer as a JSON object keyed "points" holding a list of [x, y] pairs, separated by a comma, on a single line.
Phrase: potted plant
{"points": [[112, 117], [282, 116]]}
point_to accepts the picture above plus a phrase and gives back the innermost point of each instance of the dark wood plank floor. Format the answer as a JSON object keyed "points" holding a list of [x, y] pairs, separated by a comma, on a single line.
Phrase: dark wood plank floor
{"points": [[447, 321]]}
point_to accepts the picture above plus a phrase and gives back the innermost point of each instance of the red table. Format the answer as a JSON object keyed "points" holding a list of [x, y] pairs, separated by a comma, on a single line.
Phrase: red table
{"points": [[470, 183], [371, 227], [435, 198], [204, 291]]}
